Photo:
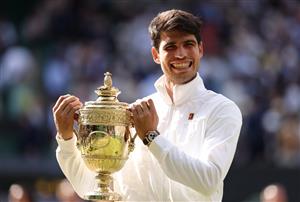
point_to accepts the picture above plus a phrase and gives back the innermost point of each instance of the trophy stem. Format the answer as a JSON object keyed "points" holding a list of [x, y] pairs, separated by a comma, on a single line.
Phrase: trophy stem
{"points": [[103, 191], [104, 180]]}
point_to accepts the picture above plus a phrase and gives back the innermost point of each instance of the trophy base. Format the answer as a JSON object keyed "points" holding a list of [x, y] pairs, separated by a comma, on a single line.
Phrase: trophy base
{"points": [[99, 196]]}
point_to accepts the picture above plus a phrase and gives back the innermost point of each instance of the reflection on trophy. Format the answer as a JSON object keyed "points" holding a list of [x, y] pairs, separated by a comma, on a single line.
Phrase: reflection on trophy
{"points": [[104, 138]]}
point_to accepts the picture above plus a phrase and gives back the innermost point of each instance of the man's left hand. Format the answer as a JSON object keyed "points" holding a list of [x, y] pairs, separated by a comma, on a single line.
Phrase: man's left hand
{"points": [[145, 117]]}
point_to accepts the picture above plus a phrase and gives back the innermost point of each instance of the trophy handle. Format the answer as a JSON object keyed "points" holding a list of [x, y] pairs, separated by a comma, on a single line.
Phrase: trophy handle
{"points": [[131, 139], [75, 131]]}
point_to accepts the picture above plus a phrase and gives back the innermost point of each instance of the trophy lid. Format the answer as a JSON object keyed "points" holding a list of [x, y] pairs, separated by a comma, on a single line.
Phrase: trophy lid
{"points": [[106, 110], [107, 95]]}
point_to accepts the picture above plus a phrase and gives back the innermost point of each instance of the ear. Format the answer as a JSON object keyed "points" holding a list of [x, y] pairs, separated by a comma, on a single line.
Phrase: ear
{"points": [[200, 46], [155, 55]]}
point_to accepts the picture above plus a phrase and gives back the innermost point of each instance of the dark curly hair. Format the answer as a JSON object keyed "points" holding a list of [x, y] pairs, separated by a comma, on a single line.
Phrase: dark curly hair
{"points": [[174, 20]]}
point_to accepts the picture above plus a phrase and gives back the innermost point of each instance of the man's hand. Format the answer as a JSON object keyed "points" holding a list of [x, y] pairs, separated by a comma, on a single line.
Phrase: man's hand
{"points": [[144, 117], [63, 113]]}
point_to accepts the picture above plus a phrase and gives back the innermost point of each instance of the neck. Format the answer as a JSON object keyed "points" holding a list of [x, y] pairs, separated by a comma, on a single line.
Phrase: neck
{"points": [[169, 86]]}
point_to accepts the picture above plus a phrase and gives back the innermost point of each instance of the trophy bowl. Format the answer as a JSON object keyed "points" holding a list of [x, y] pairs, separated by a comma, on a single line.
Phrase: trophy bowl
{"points": [[104, 139]]}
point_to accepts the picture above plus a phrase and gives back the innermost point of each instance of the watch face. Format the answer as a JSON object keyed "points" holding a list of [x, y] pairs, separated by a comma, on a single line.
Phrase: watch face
{"points": [[152, 136]]}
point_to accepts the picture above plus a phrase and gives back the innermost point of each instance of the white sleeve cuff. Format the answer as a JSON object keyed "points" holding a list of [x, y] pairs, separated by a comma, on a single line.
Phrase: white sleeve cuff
{"points": [[66, 145], [160, 147]]}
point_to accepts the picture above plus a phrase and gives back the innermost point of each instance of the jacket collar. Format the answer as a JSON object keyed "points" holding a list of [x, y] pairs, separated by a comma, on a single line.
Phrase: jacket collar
{"points": [[181, 93]]}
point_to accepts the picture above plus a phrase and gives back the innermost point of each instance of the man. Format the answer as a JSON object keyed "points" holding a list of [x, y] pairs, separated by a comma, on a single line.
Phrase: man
{"points": [[187, 134]]}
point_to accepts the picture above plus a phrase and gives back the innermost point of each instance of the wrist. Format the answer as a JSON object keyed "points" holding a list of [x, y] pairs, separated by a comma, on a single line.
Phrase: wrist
{"points": [[65, 136]]}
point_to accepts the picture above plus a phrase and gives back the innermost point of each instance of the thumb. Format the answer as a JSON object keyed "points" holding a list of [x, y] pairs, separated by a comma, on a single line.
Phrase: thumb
{"points": [[151, 106]]}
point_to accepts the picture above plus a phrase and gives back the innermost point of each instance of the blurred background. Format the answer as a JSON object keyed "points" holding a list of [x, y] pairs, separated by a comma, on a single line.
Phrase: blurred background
{"points": [[54, 47]]}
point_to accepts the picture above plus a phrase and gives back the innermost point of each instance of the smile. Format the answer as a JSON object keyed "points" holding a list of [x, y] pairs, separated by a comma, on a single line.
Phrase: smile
{"points": [[182, 65]]}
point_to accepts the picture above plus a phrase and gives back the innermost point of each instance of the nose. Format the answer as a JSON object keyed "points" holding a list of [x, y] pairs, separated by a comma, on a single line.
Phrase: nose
{"points": [[180, 53]]}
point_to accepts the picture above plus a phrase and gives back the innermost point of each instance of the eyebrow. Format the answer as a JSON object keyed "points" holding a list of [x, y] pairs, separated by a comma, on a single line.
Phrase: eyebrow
{"points": [[170, 43], [186, 41], [190, 40]]}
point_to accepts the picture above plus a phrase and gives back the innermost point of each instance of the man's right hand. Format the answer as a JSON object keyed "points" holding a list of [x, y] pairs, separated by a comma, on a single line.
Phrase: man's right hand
{"points": [[63, 113]]}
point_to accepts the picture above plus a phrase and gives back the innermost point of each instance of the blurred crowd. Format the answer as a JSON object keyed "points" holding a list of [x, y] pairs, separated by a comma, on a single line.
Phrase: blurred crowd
{"points": [[56, 191], [251, 55]]}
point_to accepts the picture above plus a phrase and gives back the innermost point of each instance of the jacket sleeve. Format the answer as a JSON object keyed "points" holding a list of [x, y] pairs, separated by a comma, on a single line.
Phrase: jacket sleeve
{"points": [[206, 172], [73, 167]]}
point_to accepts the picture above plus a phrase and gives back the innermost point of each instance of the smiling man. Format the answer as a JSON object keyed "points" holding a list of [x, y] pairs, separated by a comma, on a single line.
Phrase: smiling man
{"points": [[187, 134], [179, 55]]}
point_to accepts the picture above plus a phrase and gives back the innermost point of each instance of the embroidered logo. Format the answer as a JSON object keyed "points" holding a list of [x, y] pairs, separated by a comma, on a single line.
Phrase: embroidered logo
{"points": [[191, 116]]}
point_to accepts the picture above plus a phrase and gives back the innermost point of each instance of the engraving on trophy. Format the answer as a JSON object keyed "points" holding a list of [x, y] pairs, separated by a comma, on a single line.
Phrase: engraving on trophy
{"points": [[105, 116]]}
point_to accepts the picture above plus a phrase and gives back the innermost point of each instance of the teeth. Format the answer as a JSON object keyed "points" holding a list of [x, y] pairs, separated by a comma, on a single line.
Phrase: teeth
{"points": [[181, 65]]}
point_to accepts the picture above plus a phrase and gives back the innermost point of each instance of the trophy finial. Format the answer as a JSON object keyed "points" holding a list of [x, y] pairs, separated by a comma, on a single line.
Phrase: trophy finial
{"points": [[107, 91], [108, 80]]}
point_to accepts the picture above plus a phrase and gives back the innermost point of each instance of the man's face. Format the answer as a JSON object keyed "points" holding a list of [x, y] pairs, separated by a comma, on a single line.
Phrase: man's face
{"points": [[179, 56]]}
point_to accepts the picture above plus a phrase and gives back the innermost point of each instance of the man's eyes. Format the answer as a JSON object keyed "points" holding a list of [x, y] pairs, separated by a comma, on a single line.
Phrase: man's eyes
{"points": [[186, 44], [170, 47], [190, 44]]}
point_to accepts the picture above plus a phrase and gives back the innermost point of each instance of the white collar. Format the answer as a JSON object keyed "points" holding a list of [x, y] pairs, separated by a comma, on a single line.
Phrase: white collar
{"points": [[181, 93]]}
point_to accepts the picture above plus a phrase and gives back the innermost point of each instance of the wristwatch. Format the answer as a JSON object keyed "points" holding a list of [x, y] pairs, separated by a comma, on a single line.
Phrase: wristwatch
{"points": [[150, 135]]}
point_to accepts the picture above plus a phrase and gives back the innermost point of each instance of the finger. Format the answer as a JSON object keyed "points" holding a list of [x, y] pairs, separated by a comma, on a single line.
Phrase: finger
{"points": [[134, 104], [71, 113], [130, 107], [134, 113], [60, 103], [139, 110], [72, 107], [59, 100], [65, 103], [145, 106], [152, 106]]}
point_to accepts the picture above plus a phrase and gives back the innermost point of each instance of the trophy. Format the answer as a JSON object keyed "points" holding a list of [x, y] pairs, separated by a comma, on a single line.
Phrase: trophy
{"points": [[104, 138]]}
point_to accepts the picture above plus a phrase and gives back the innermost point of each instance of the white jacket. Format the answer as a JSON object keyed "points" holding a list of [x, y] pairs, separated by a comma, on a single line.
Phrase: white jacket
{"points": [[188, 161]]}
